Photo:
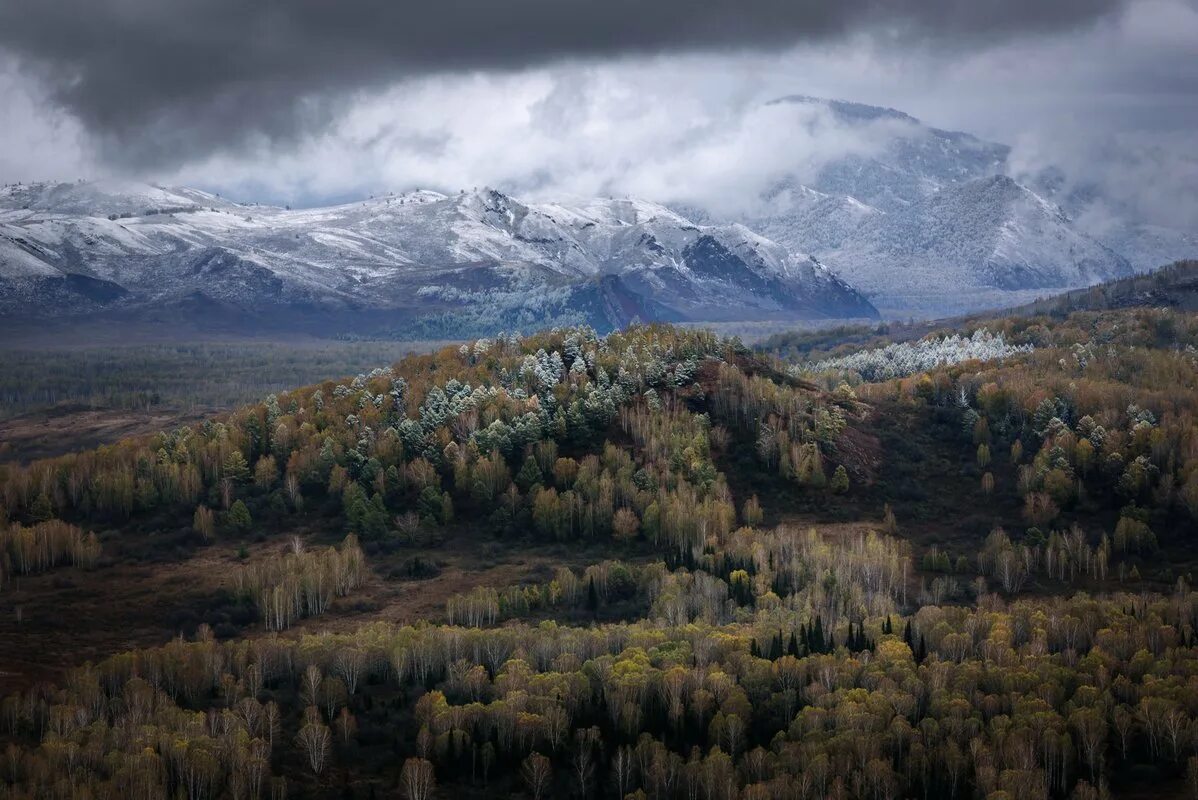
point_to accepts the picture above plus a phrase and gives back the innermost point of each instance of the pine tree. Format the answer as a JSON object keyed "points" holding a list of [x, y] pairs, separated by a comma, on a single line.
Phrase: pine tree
{"points": [[234, 467], [42, 510], [840, 480], [529, 475], [239, 518]]}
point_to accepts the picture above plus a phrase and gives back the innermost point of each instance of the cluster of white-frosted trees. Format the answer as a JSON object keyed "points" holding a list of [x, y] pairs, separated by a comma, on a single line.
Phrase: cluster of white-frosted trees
{"points": [[907, 358]]}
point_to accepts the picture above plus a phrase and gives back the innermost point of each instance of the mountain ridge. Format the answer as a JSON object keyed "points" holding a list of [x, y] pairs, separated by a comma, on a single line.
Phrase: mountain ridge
{"points": [[923, 222], [422, 254]]}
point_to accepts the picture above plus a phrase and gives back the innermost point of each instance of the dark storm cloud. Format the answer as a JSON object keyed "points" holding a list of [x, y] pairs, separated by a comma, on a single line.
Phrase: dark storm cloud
{"points": [[157, 82]]}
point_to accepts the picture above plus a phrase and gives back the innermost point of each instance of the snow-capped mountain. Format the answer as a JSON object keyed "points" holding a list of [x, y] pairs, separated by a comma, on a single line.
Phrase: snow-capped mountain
{"points": [[917, 220], [423, 262], [115, 198], [928, 222], [808, 220], [987, 242], [909, 162], [1146, 246]]}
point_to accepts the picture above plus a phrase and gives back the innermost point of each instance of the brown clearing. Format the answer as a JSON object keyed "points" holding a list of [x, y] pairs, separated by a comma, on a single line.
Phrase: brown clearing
{"points": [[73, 428]]}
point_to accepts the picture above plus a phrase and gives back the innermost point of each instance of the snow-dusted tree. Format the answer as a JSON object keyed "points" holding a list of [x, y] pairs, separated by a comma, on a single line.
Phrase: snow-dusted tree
{"points": [[907, 358]]}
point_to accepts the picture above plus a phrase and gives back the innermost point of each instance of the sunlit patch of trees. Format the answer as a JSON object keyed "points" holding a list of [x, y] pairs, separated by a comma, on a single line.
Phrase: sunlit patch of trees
{"points": [[45, 545], [302, 582], [780, 573]]}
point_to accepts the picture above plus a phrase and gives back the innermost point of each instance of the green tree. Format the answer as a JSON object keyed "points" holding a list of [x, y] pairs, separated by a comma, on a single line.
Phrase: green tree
{"points": [[529, 475], [238, 517], [840, 480], [234, 466], [42, 509]]}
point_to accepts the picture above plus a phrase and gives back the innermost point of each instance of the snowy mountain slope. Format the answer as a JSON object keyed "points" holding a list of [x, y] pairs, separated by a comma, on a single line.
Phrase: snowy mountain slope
{"points": [[101, 198], [984, 243], [1147, 246], [462, 260], [807, 220], [1119, 222], [20, 260], [925, 221], [906, 163], [910, 161]]}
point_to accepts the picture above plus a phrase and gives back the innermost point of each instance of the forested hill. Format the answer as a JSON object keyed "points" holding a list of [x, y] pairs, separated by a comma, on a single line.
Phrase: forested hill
{"points": [[648, 564], [1172, 286]]}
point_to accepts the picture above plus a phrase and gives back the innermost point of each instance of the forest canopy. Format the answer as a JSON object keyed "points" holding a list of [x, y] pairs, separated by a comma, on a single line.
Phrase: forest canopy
{"points": [[957, 566]]}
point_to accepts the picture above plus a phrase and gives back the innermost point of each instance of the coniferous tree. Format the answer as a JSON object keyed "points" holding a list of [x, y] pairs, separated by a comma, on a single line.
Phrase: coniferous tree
{"points": [[238, 517]]}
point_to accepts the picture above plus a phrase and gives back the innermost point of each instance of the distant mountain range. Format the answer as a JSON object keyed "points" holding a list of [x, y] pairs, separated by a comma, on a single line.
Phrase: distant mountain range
{"points": [[927, 223], [423, 263]]}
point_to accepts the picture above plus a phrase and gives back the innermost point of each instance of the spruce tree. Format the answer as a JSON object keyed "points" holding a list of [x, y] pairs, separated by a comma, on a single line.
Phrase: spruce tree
{"points": [[529, 475]]}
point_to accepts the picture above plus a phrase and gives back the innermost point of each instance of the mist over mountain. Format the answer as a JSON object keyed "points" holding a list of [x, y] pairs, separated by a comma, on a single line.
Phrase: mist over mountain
{"points": [[932, 222], [912, 220]]}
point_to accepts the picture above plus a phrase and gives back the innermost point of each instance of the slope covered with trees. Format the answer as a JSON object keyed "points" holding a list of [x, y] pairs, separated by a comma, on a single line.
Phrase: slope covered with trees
{"points": [[1172, 286], [773, 612]]}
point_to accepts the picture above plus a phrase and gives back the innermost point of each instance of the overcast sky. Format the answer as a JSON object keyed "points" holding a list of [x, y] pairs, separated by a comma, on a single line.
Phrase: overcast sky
{"points": [[304, 101]]}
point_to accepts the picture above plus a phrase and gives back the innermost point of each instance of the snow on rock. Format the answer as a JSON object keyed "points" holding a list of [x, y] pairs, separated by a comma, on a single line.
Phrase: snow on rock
{"points": [[452, 258], [926, 221], [970, 246]]}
